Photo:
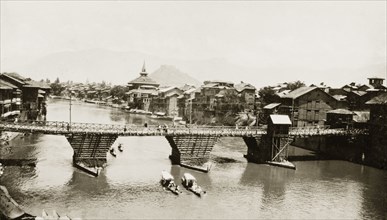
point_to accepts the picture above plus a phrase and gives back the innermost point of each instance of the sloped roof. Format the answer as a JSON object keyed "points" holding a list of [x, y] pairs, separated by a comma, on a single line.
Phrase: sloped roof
{"points": [[7, 85], [143, 91], [186, 87], [280, 119], [242, 86], [36, 84], [166, 89], [361, 116], [359, 93], [378, 100], [198, 90], [299, 92], [189, 91], [210, 85], [172, 94], [271, 105], [350, 86], [339, 97], [144, 79], [221, 93], [283, 93], [340, 112], [13, 78]]}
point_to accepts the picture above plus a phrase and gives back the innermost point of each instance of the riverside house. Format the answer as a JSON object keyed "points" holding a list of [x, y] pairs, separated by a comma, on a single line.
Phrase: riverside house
{"points": [[307, 106], [33, 96], [141, 91]]}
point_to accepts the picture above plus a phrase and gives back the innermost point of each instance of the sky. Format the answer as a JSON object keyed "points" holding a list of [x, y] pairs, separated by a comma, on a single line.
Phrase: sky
{"points": [[256, 34]]}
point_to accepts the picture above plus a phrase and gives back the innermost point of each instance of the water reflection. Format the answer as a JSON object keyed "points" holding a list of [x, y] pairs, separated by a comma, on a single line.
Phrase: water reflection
{"points": [[80, 181], [129, 186]]}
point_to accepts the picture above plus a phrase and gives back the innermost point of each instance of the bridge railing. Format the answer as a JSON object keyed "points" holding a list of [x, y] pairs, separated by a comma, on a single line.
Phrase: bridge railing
{"points": [[130, 129], [325, 130]]}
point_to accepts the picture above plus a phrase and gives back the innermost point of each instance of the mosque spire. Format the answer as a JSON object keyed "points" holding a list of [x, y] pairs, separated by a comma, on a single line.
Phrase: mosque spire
{"points": [[143, 68]]}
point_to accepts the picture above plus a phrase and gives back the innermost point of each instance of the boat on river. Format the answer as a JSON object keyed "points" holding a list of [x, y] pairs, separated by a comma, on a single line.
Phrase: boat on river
{"points": [[120, 147], [113, 152], [161, 116], [168, 182], [283, 163], [140, 112], [190, 183]]}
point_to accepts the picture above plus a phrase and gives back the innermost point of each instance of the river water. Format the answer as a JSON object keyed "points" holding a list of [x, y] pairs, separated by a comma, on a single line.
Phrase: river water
{"points": [[129, 188]]}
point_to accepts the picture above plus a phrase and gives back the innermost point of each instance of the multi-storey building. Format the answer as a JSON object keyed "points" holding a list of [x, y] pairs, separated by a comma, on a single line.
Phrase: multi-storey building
{"points": [[216, 100], [33, 96], [307, 106], [247, 95], [376, 152], [166, 101], [141, 91], [7, 100], [374, 83]]}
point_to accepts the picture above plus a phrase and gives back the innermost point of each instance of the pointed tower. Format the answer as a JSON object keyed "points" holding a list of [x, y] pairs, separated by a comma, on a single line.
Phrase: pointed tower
{"points": [[143, 70], [143, 80]]}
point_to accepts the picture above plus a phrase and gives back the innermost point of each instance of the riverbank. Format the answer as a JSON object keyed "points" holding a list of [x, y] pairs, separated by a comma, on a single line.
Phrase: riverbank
{"points": [[7, 136]]}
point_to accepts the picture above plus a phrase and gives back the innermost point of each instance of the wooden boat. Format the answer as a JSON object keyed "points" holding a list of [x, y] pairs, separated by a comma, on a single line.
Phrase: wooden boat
{"points": [[284, 163], [120, 147], [161, 116], [205, 168], [189, 182], [167, 181], [113, 152]]}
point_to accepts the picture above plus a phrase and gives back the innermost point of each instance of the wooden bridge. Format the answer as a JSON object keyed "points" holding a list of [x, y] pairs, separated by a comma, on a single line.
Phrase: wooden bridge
{"points": [[64, 128], [191, 145]]}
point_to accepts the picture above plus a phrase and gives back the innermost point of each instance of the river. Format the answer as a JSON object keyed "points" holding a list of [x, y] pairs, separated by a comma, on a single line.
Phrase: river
{"points": [[129, 188]]}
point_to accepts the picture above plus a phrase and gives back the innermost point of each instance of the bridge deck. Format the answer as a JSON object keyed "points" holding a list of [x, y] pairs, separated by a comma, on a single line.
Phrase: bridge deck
{"points": [[63, 128]]}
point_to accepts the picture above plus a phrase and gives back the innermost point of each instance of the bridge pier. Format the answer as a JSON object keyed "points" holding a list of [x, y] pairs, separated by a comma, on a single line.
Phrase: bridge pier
{"points": [[272, 147], [258, 148], [191, 151], [90, 150]]}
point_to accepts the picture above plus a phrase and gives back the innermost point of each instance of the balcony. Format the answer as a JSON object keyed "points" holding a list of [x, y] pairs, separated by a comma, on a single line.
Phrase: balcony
{"points": [[6, 101]]}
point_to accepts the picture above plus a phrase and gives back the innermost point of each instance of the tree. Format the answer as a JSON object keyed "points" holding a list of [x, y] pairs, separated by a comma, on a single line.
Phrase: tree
{"points": [[228, 107], [57, 88], [295, 85], [118, 92], [267, 95]]}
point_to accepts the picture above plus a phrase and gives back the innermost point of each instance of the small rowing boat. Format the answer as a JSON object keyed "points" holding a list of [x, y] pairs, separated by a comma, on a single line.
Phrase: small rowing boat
{"points": [[167, 181], [190, 183]]}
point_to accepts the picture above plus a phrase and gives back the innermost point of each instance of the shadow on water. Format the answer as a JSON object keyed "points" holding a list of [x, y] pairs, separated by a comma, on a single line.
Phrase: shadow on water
{"points": [[81, 181], [273, 181]]}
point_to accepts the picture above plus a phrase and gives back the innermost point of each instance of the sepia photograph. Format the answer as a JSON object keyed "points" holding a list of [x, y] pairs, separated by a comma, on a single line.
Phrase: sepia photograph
{"points": [[233, 109]]}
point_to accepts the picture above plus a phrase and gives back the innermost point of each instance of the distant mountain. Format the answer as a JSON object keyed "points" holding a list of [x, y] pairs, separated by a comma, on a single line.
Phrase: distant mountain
{"points": [[96, 65], [168, 75], [120, 67]]}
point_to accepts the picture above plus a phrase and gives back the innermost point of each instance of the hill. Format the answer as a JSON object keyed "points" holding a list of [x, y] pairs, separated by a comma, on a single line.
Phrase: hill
{"points": [[168, 75]]}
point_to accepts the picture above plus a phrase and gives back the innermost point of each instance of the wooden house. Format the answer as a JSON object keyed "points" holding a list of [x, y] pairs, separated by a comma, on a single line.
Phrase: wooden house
{"points": [[307, 106]]}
